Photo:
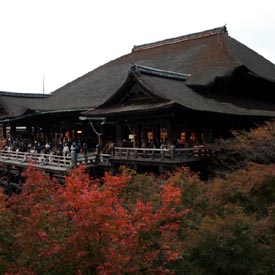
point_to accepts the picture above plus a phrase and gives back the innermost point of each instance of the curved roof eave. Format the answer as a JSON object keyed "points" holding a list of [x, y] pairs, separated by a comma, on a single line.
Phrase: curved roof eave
{"points": [[189, 99]]}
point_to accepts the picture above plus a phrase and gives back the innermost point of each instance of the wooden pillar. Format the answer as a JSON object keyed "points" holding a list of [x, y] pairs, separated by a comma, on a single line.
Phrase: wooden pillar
{"points": [[29, 131], [134, 137], [20, 179], [100, 140], [209, 137], [143, 136], [118, 134], [9, 187], [35, 133], [13, 132], [73, 159], [4, 131], [188, 135], [47, 133], [138, 135], [170, 133], [156, 132], [198, 136]]}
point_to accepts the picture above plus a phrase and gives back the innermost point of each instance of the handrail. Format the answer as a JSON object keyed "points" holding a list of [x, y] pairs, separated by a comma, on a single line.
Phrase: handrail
{"points": [[41, 159], [172, 153], [54, 160], [164, 155]]}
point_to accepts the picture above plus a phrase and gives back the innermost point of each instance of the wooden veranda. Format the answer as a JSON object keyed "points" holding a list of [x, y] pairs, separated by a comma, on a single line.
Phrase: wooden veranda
{"points": [[12, 162]]}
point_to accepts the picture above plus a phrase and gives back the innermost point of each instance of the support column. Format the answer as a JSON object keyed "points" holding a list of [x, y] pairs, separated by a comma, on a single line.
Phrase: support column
{"points": [[187, 138], [118, 134], [135, 137], [156, 132], [35, 133], [143, 136], [138, 135], [100, 140], [73, 159], [13, 132], [29, 132], [4, 131], [9, 187], [170, 133]]}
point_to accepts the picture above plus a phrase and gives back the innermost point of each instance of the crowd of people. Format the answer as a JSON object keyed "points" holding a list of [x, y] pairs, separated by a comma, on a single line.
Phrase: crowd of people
{"points": [[62, 147]]}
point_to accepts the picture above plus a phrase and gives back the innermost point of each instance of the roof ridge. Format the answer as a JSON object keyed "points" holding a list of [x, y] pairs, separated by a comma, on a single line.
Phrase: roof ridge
{"points": [[159, 73], [182, 38], [13, 94]]}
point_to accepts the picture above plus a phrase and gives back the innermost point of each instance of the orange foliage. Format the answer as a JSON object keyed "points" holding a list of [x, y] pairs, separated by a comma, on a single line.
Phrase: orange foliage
{"points": [[86, 227]]}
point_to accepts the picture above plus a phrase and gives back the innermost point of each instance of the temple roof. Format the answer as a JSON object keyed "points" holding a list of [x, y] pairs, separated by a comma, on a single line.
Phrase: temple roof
{"points": [[180, 39], [171, 92], [204, 56], [159, 73], [197, 60], [18, 104]]}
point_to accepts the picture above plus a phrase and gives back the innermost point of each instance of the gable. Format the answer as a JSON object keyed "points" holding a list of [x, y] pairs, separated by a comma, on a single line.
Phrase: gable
{"points": [[138, 95], [132, 92]]}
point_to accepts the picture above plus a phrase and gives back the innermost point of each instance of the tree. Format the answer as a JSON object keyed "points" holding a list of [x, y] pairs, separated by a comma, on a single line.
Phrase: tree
{"points": [[256, 145], [87, 227], [230, 227]]}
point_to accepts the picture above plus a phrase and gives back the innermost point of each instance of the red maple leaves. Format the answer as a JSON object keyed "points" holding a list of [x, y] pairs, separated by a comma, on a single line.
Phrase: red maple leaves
{"points": [[87, 227]]}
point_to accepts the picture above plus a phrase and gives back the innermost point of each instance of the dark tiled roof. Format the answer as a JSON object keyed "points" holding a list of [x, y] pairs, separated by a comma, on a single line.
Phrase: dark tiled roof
{"points": [[23, 95], [129, 108], [180, 39], [17, 104], [159, 73], [176, 92], [186, 97], [250, 59], [202, 56]]}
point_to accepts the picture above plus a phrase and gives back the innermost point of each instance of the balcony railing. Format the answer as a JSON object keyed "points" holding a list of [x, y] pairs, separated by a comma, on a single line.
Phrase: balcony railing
{"points": [[149, 155], [53, 160], [14, 157], [171, 155]]}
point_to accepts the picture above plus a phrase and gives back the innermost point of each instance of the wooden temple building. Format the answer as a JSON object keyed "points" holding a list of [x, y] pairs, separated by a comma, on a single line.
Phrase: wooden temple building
{"points": [[160, 105]]}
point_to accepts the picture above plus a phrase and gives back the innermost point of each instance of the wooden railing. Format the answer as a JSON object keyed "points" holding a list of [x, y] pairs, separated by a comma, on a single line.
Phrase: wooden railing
{"points": [[41, 159], [93, 159], [172, 154], [69, 161]]}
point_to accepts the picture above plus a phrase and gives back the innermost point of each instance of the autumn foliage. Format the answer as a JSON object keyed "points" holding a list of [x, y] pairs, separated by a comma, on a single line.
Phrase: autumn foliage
{"points": [[256, 145], [134, 223], [86, 227], [141, 224], [230, 226]]}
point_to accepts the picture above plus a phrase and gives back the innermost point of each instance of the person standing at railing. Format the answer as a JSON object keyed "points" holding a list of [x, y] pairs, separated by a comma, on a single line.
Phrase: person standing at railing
{"points": [[152, 143], [73, 156], [51, 156], [32, 151], [37, 147], [162, 145], [73, 148], [29, 147], [85, 148], [66, 150], [8, 148], [47, 148]]}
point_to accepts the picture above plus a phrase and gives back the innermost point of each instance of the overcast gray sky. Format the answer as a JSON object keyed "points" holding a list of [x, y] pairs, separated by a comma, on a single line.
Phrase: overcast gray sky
{"points": [[64, 39]]}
